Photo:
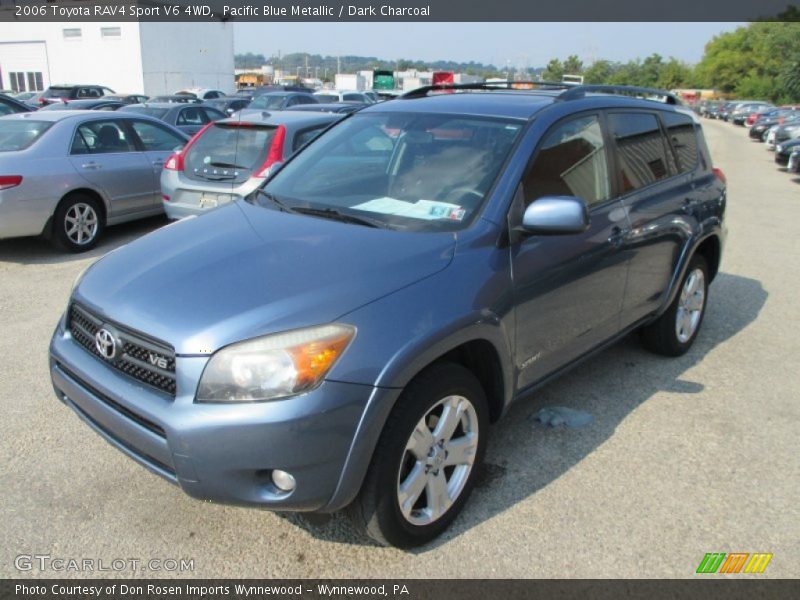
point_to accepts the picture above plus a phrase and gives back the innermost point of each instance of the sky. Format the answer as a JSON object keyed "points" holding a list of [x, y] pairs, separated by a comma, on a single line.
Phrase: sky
{"points": [[501, 44]]}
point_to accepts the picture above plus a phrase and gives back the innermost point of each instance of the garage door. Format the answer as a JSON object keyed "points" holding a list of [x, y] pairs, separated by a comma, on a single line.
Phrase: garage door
{"points": [[23, 66]]}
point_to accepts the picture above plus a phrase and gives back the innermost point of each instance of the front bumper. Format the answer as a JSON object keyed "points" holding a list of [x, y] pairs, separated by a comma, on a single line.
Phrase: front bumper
{"points": [[224, 453]]}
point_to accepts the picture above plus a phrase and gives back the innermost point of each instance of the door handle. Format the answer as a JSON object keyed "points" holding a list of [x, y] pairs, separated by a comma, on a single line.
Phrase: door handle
{"points": [[91, 166], [618, 235]]}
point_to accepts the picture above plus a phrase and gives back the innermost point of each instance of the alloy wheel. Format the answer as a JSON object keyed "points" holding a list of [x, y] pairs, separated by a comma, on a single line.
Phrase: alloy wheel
{"points": [[690, 306], [81, 223], [437, 460]]}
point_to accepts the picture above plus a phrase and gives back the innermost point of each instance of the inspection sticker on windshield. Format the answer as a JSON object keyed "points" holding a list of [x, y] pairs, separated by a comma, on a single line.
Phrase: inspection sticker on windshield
{"points": [[422, 209]]}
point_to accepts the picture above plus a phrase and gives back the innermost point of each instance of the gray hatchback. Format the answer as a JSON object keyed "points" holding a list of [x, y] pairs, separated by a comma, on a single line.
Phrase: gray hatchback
{"points": [[230, 159], [345, 335]]}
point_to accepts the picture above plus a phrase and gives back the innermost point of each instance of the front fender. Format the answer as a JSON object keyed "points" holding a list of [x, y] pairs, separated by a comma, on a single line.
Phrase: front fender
{"points": [[400, 334]]}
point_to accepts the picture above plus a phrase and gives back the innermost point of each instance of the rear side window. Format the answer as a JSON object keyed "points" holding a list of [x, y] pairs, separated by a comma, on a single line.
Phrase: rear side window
{"points": [[228, 152], [640, 149], [682, 135], [192, 116], [155, 138], [571, 162], [305, 136], [101, 137], [18, 135]]}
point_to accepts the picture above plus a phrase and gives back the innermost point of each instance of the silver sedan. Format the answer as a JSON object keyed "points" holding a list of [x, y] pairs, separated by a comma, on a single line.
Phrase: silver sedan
{"points": [[68, 174]]}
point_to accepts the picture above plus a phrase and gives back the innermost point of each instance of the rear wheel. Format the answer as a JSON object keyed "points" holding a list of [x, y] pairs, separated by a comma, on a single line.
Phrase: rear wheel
{"points": [[424, 467], [674, 332], [78, 223]]}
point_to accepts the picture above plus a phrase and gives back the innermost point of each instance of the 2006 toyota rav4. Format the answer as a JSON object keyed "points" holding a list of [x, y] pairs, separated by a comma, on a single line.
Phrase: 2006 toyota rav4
{"points": [[345, 336]]}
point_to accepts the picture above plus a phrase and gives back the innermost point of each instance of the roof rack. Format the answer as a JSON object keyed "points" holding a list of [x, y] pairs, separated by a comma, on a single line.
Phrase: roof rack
{"points": [[580, 91], [423, 91]]}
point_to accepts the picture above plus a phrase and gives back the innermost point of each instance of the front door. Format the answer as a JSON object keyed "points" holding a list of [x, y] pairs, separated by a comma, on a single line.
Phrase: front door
{"points": [[105, 155], [568, 289]]}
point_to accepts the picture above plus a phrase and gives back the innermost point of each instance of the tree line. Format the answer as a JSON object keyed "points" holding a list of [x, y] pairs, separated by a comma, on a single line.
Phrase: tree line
{"points": [[760, 60]]}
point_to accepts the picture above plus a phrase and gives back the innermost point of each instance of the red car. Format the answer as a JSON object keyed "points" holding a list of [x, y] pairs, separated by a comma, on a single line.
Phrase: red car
{"points": [[751, 119]]}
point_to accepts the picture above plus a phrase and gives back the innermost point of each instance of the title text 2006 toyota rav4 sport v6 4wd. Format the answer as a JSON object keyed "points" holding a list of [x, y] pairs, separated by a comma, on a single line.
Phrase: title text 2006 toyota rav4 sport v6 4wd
{"points": [[345, 336]]}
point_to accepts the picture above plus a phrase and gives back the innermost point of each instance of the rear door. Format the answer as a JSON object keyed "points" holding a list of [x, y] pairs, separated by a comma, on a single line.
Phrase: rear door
{"points": [[103, 152], [157, 143], [658, 192]]}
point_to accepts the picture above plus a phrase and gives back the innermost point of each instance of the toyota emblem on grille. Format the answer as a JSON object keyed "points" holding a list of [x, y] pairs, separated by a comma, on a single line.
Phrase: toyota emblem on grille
{"points": [[105, 344]]}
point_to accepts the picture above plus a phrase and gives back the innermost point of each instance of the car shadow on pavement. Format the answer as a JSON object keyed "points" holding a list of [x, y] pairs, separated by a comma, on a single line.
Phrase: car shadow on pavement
{"points": [[39, 251], [525, 456]]}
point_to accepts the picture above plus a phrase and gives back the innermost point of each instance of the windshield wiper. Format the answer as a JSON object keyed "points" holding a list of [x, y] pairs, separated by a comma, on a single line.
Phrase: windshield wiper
{"points": [[224, 165], [335, 215], [272, 198]]}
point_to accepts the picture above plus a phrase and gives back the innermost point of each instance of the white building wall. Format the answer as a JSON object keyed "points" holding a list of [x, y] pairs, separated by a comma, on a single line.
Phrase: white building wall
{"points": [[113, 61], [177, 56]]}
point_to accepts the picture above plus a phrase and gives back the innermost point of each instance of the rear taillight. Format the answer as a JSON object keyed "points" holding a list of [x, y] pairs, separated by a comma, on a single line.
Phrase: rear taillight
{"points": [[720, 175], [275, 154], [175, 161], [9, 181]]}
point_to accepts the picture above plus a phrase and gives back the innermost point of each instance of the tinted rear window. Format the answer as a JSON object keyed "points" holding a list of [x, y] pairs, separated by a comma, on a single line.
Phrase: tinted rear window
{"points": [[641, 152], [18, 135], [680, 129], [57, 92], [268, 101], [156, 113], [228, 152]]}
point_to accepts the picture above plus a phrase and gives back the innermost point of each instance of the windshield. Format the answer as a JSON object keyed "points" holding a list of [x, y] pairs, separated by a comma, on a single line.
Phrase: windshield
{"points": [[268, 101], [156, 113], [327, 97], [421, 172], [18, 135]]}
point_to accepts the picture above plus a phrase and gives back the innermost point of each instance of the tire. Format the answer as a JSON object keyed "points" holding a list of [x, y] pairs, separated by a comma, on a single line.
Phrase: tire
{"points": [[377, 510], [674, 332], [78, 223]]}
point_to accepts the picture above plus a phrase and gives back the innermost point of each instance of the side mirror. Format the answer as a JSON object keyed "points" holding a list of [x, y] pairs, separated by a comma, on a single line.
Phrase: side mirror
{"points": [[555, 215]]}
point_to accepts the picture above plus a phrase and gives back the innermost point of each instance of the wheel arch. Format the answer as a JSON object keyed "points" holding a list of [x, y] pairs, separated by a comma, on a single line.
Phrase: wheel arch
{"points": [[48, 229], [489, 361]]}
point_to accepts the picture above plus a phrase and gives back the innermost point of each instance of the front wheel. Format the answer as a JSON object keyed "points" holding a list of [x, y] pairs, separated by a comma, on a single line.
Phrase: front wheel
{"points": [[424, 466], [674, 332]]}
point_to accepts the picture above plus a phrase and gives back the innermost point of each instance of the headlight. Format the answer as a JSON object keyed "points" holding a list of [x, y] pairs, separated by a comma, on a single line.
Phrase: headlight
{"points": [[779, 148], [274, 366]]}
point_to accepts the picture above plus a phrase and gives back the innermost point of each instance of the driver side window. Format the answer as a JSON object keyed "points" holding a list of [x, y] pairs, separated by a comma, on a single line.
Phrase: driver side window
{"points": [[571, 161]]}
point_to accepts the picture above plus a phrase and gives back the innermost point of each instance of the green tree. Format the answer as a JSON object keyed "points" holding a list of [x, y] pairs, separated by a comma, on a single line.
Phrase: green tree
{"points": [[600, 71], [573, 65], [554, 71]]}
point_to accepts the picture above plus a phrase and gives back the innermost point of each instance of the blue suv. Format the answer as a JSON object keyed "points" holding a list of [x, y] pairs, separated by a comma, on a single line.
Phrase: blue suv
{"points": [[345, 336]]}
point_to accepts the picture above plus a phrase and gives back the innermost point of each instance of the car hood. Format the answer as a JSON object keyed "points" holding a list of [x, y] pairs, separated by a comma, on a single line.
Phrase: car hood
{"points": [[242, 271]]}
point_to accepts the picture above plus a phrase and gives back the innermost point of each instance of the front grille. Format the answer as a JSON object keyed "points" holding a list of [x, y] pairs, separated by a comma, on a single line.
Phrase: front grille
{"points": [[146, 360]]}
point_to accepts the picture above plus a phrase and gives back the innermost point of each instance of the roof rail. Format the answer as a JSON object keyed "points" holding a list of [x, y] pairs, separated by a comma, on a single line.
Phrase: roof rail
{"points": [[423, 91], [580, 91]]}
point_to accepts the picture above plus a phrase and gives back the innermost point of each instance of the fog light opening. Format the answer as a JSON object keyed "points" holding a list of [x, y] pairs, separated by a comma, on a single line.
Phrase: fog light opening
{"points": [[283, 481]]}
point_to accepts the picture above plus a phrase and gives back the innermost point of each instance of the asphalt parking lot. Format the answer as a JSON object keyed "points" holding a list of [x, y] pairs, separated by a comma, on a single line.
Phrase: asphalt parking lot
{"points": [[684, 456]]}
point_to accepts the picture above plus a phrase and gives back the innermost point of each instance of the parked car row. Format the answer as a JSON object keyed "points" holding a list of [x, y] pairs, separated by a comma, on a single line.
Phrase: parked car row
{"points": [[778, 127], [89, 157]]}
